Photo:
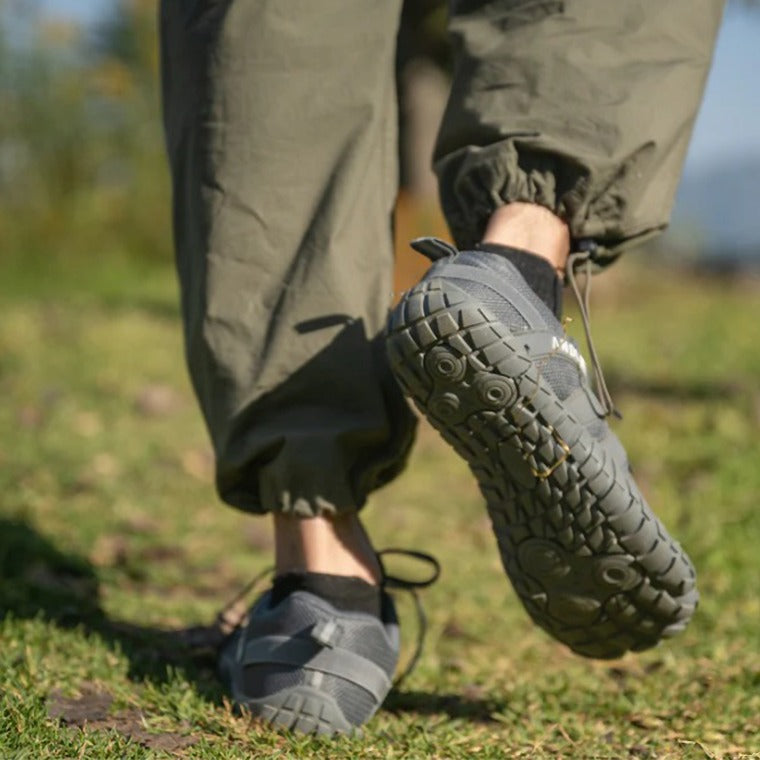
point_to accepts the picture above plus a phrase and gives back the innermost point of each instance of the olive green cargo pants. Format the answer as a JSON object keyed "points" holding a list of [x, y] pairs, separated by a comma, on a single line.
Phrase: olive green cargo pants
{"points": [[280, 120]]}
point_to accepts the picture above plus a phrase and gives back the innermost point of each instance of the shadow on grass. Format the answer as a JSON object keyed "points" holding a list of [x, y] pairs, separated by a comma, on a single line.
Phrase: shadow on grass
{"points": [[37, 580], [473, 709]]}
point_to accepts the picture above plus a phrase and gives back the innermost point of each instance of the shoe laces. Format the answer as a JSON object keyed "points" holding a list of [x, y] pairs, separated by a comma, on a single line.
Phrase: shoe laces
{"points": [[230, 618], [582, 260], [392, 582]]}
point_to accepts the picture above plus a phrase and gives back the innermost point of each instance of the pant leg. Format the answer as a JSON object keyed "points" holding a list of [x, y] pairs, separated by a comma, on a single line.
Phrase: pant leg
{"points": [[280, 121], [583, 106]]}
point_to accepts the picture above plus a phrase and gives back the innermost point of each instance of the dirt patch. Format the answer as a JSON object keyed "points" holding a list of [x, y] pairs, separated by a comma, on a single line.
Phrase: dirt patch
{"points": [[89, 708], [91, 711]]}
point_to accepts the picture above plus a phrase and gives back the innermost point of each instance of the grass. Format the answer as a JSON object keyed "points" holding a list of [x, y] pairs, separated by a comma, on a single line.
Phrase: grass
{"points": [[110, 535]]}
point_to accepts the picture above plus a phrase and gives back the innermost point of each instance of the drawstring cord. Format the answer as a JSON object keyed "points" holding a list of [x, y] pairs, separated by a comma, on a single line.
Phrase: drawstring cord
{"points": [[227, 623], [575, 261]]}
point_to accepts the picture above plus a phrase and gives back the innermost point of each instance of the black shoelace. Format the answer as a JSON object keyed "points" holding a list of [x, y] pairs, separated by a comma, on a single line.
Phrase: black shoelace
{"points": [[392, 582]]}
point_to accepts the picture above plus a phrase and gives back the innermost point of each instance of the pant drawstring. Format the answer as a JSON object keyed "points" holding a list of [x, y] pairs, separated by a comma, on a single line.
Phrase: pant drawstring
{"points": [[576, 261]]}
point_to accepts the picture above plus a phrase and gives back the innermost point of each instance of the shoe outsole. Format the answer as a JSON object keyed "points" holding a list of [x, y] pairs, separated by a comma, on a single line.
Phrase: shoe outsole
{"points": [[302, 709], [591, 563]]}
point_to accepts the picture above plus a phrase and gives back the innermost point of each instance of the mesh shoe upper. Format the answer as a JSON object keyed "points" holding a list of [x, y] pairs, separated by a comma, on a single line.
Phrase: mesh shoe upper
{"points": [[297, 619], [502, 290], [506, 297]]}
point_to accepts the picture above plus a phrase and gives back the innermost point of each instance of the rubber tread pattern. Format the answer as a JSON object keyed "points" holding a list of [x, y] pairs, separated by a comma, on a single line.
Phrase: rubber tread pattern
{"points": [[590, 562]]}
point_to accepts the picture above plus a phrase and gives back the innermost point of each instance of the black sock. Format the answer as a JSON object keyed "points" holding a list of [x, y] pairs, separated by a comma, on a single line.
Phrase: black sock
{"points": [[344, 593], [537, 271]]}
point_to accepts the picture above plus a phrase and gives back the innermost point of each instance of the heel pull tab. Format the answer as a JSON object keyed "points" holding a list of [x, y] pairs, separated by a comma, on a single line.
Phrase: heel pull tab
{"points": [[434, 248]]}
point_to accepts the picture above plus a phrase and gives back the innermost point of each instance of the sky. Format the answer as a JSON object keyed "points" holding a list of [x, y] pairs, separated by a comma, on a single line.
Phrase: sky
{"points": [[728, 126]]}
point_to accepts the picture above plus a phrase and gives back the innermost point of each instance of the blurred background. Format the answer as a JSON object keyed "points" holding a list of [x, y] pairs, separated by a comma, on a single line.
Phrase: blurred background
{"points": [[110, 528], [83, 177]]}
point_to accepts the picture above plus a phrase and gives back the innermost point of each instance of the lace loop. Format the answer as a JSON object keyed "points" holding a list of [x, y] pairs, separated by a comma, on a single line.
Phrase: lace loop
{"points": [[411, 586], [576, 261], [403, 584]]}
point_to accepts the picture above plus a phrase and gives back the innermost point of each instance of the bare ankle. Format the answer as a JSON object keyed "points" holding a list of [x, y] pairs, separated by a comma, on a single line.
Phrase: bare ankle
{"points": [[532, 228], [337, 545]]}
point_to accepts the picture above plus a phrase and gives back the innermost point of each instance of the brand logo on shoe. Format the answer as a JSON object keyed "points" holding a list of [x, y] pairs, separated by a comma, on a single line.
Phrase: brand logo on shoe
{"points": [[568, 349]]}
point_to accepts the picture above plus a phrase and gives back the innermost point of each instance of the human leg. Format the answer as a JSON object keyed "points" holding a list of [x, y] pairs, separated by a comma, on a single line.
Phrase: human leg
{"points": [[585, 108], [276, 114], [582, 110], [530, 227], [337, 545]]}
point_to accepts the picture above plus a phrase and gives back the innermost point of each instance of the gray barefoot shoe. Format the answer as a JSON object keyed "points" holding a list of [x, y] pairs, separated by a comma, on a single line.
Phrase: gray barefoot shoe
{"points": [[493, 370], [309, 667]]}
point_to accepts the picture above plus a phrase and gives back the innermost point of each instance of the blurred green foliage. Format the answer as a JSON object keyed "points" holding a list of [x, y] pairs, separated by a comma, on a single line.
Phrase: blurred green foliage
{"points": [[82, 167], [83, 175]]}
